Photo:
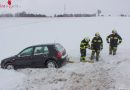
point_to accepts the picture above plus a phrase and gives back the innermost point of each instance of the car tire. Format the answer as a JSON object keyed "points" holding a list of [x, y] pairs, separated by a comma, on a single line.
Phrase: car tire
{"points": [[9, 67], [51, 64]]}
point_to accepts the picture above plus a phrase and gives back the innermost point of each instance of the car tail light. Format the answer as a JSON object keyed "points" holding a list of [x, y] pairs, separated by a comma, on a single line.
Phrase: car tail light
{"points": [[59, 55]]}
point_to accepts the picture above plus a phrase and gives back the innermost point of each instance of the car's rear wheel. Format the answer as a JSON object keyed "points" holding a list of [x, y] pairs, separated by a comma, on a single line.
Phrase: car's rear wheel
{"points": [[9, 67], [51, 64]]}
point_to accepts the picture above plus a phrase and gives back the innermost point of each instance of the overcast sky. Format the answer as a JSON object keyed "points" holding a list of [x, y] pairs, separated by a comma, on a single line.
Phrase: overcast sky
{"points": [[51, 7]]}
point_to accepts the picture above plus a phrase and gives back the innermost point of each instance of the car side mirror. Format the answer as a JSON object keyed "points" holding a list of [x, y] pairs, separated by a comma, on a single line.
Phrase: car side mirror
{"points": [[18, 55]]}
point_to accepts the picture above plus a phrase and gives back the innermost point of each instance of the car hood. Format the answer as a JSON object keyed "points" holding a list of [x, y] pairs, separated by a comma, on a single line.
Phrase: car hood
{"points": [[8, 59]]}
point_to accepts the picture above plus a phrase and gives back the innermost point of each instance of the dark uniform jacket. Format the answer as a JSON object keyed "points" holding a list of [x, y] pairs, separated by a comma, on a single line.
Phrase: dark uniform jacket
{"points": [[97, 43], [115, 39], [84, 44]]}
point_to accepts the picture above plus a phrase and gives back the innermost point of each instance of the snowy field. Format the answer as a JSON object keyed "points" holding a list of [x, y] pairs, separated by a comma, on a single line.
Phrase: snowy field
{"points": [[110, 73]]}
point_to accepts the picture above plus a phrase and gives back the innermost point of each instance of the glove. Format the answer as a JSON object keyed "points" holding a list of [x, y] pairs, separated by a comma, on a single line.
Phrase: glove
{"points": [[118, 43], [101, 48], [89, 48]]}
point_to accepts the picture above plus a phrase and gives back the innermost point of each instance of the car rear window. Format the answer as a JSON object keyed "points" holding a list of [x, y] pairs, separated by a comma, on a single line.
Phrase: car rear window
{"points": [[59, 47]]}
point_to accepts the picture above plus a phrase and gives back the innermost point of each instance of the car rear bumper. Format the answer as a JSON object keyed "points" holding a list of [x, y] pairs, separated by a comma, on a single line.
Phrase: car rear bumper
{"points": [[62, 61]]}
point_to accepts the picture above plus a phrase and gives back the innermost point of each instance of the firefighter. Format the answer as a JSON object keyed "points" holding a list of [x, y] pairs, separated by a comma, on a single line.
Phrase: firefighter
{"points": [[96, 46], [114, 40], [83, 46]]}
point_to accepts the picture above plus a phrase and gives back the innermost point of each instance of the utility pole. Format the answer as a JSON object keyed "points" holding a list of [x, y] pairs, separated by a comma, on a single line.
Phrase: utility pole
{"points": [[99, 12], [64, 9]]}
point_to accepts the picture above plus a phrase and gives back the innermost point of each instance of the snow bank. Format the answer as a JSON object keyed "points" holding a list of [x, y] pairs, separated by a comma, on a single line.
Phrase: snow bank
{"points": [[77, 76], [10, 79]]}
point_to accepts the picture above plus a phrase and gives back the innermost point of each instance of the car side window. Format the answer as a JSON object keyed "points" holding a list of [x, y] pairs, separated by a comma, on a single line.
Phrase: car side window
{"points": [[41, 50], [26, 52]]}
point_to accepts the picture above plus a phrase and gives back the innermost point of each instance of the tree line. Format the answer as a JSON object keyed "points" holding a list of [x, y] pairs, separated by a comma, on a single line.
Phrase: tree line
{"points": [[22, 14], [25, 14]]}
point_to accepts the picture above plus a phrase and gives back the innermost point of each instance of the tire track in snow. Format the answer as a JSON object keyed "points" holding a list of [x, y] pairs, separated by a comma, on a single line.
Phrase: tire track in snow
{"points": [[76, 76], [101, 80]]}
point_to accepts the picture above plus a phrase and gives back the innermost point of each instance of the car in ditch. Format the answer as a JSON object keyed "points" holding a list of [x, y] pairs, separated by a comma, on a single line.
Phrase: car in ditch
{"points": [[46, 55]]}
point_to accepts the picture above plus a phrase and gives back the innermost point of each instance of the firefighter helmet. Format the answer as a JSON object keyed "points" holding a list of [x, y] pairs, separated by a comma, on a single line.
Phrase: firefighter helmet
{"points": [[114, 31], [87, 39], [97, 34]]}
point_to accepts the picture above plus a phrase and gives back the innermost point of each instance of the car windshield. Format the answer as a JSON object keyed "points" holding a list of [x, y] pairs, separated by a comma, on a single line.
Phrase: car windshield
{"points": [[27, 52]]}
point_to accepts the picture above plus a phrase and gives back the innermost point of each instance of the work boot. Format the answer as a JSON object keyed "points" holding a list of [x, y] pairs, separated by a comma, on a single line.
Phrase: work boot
{"points": [[114, 53], [91, 61], [82, 59], [97, 59], [110, 53]]}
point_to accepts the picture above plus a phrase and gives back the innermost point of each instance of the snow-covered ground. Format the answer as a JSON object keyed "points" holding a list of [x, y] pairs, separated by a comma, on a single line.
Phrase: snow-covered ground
{"points": [[110, 73]]}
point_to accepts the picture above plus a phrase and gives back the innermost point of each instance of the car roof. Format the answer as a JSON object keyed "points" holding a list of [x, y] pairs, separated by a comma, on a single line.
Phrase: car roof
{"points": [[49, 44]]}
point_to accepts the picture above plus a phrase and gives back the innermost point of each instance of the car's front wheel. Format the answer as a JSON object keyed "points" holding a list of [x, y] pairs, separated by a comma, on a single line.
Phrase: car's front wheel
{"points": [[9, 66], [51, 64]]}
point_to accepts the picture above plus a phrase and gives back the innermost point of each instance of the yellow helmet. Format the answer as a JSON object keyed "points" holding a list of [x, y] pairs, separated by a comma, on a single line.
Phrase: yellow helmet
{"points": [[97, 34], [87, 39], [114, 31]]}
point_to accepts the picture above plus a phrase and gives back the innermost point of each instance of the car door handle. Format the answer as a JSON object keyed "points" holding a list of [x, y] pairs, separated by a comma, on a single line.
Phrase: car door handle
{"points": [[13, 59], [45, 55]]}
